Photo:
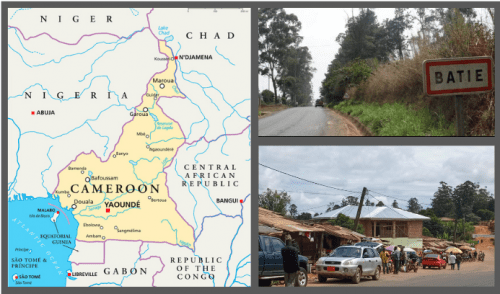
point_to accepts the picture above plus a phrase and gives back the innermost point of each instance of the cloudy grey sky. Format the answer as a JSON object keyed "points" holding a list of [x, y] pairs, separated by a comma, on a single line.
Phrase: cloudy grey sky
{"points": [[398, 171], [320, 28]]}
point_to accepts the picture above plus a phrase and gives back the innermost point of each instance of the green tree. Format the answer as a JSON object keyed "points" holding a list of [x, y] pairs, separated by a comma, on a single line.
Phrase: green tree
{"points": [[277, 31], [380, 203], [331, 206], [350, 200], [427, 212], [295, 75], [274, 201], [316, 214], [395, 204], [395, 29], [413, 205], [267, 96], [304, 216], [491, 204], [426, 232], [435, 226], [344, 221], [293, 210], [442, 203], [427, 24], [463, 200], [481, 200], [486, 214], [364, 38]]}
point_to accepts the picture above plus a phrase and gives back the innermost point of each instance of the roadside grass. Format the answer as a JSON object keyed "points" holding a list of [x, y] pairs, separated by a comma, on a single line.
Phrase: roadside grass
{"points": [[396, 119], [400, 82], [266, 110]]}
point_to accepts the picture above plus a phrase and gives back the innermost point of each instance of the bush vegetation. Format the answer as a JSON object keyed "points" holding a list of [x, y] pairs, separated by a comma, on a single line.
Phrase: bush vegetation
{"points": [[395, 88]]}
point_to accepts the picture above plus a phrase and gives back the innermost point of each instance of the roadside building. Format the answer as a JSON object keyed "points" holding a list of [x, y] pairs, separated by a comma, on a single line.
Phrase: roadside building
{"points": [[395, 226], [313, 240], [336, 236]]}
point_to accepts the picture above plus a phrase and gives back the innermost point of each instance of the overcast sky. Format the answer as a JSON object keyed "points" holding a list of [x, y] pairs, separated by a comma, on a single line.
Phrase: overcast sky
{"points": [[397, 171], [320, 28]]}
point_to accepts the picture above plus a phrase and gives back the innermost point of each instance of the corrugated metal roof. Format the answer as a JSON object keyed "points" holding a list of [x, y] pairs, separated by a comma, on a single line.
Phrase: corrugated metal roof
{"points": [[340, 232], [373, 212], [268, 230], [274, 220]]}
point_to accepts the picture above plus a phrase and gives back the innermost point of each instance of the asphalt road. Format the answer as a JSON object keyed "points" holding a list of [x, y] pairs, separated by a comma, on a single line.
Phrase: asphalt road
{"points": [[301, 121]]}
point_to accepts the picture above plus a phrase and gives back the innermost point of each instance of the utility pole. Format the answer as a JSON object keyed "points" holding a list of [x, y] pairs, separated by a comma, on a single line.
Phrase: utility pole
{"points": [[359, 209]]}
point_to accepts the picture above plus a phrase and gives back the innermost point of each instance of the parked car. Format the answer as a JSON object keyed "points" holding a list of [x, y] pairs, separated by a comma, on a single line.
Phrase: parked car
{"points": [[350, 262], [434, 260], [374, 245], [318, 103], [271, 262]]}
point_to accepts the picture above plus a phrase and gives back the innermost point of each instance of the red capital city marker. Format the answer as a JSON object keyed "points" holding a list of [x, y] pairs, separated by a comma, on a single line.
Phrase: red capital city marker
{"points": [[32, 113], [241, 200], [58, 212], [69, 274], [107, 210], [176, 57]]}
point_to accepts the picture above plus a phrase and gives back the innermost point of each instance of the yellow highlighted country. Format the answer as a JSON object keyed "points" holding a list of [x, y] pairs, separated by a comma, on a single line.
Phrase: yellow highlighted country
{"points": [[126, 197]]}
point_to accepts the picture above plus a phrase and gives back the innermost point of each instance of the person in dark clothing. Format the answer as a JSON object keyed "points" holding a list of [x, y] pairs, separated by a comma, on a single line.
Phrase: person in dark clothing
{"points": [[396, 256], [459, 260], [290, 263], [475, 254]]}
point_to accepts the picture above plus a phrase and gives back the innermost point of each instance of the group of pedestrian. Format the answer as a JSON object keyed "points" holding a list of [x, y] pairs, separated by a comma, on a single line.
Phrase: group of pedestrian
{"points": [[398, 258], [457, 259]]}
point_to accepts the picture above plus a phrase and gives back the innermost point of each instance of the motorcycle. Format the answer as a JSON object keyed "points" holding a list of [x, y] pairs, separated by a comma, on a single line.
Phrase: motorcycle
{"points": [[412, 264]]}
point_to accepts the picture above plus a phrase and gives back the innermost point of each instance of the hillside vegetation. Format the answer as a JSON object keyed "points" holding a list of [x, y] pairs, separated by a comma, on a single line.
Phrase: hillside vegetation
{"points": [[388, 97]]}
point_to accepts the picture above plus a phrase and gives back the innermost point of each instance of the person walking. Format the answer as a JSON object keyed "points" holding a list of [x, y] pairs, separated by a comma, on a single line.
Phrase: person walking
{"points": [[290, 262], [384, 258], [459, 260], [396, 257], [475, 255], [452, 258]]}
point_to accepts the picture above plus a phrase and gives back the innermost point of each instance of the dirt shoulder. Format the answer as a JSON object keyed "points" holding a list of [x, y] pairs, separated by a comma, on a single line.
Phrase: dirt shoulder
{"points": [[341, 125], [268, 110]]}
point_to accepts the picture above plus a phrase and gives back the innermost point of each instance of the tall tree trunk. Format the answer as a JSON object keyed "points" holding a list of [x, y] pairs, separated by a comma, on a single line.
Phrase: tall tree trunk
{"points": [[275, 90], [492, 14], [455, 234], [464, 228]]}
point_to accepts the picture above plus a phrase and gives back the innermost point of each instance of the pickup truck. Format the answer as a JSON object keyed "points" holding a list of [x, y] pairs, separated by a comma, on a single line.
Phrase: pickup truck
{"points": [[271, 262]]}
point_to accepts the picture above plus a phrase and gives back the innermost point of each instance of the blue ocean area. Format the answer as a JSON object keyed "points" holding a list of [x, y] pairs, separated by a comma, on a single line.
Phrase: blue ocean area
{"points": [[38, 255]]}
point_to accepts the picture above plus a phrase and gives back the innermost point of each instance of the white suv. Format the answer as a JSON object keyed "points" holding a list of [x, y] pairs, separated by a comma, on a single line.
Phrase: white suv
{"points": [[351, 262]]}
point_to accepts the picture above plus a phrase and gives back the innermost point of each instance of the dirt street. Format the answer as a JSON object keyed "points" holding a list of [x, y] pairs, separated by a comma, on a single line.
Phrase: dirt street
{"points": [[475, 274]]}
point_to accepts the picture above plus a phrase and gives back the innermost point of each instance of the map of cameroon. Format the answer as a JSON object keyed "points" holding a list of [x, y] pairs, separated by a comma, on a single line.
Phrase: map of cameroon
{"points": [[126, 197]]}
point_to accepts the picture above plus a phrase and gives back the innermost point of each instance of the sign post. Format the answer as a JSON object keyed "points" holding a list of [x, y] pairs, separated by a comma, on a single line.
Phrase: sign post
{"points": [[457, 77], [460, 115]]}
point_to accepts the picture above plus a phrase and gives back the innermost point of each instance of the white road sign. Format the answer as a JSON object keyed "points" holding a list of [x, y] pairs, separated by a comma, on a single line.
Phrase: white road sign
{"points": [[457, 76]]}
